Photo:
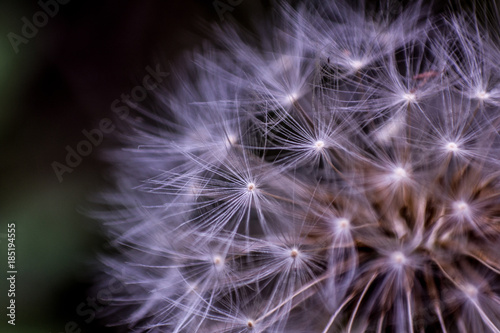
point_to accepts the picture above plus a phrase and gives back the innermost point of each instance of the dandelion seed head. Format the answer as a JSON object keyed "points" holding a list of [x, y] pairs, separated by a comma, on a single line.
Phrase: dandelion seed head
{"points": [[409, 97], [470, 291], [356, 64], [482, 95], [400, 173], [292, 98], [313, 166], [343, 224], [319, 145], [461, 207], [251, 187], [218, 262], [231, 140], [398, 258], [294, 253], [451, 147]]}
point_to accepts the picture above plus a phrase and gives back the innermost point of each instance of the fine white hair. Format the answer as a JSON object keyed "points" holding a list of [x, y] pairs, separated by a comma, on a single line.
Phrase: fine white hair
{"points": [[336, 171]]}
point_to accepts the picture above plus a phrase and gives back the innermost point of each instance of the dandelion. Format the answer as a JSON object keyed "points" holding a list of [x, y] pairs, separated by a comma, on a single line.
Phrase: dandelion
{"points": [[339, 172]]}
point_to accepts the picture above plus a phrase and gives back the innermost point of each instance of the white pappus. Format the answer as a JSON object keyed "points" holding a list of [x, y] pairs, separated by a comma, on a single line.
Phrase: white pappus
{"points": [[337, 170]]}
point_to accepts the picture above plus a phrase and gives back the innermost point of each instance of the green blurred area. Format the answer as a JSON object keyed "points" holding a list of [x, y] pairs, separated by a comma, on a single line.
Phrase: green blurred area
{"points": [[53, 241], [52, 245], [55, 244], [60, 83], [43, 256], [16, 205]]}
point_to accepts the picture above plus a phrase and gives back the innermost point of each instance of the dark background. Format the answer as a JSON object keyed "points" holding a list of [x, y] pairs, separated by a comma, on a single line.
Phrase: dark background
{"points": [[62, 82]]}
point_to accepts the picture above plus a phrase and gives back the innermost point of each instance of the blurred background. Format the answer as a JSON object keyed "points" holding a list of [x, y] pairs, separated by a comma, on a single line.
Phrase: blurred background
{"points": [[54, 84]]}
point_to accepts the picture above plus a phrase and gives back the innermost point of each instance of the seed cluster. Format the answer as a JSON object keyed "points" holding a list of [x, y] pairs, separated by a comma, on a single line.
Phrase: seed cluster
{"points": [[338, 173]]}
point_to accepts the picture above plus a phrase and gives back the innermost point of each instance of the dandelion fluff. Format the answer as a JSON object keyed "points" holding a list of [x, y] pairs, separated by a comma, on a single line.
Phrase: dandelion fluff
{"points": [[335, 171]]}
